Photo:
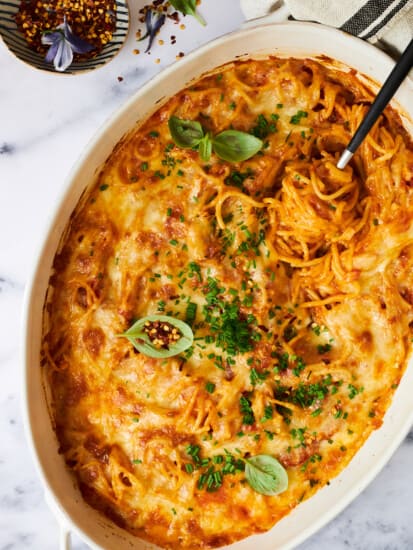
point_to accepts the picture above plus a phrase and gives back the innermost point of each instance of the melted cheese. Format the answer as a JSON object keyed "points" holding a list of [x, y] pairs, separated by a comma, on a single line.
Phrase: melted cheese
{"points": [[315, 265]]}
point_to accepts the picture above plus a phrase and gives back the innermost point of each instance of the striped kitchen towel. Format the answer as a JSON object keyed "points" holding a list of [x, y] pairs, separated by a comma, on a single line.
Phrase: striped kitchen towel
{"points": [[386, 23]]}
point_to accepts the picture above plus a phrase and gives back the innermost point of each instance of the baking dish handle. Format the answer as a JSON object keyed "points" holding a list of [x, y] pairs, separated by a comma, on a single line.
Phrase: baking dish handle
{"points": [[64, 538], [64, 531]]}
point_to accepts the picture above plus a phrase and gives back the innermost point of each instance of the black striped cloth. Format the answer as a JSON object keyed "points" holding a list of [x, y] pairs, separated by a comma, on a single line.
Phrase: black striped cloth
{"points": [[388, 23], [373, 16], [369, 19]]}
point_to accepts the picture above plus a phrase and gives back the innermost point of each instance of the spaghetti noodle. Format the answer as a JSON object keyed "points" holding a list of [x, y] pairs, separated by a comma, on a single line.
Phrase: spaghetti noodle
{"points": [[296, 278]]}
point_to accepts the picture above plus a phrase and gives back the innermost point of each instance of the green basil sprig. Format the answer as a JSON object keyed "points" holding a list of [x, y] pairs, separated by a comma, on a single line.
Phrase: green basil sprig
{"points": [[185, 133], [187, 7], [229, 145], [139, 338], [266, 475]]}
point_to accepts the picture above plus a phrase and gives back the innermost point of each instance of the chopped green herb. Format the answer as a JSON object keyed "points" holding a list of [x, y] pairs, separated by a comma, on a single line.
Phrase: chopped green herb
{"points": [[237, 178], [304, 395], [257, 377], [323, 348], [263, 127], [313, 459], [268, 412], [248, 417], [190, 313], [210, 387], [296, 119], [353, 391], [189, 468]]}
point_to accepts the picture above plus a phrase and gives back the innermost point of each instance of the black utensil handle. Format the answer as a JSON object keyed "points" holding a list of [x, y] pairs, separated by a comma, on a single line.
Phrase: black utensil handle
{"points": [[392, 83]]}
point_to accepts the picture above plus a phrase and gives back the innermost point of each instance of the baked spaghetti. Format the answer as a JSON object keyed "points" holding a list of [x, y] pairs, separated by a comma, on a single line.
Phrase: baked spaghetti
{"points": [[295, 278]]}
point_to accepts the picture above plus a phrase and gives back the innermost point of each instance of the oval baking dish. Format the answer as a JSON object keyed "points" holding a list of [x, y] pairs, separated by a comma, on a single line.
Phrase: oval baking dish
{"points": [[290, 39]]}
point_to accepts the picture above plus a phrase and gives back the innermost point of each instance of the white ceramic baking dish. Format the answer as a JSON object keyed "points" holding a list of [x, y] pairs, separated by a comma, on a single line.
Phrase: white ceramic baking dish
{"points": [[287, 39]]}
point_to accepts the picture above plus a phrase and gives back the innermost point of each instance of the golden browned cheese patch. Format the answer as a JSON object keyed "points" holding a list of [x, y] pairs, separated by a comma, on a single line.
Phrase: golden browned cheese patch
{"points": [[297, 279]]}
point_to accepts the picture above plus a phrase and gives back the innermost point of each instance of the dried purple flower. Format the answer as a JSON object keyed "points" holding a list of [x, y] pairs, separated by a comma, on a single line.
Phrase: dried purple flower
{"points": [[62, 44], [153, 21]]}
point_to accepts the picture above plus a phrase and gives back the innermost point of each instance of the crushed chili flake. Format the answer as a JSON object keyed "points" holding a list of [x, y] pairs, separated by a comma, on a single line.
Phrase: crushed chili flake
{"points": [[94, 22], [162, 334]]}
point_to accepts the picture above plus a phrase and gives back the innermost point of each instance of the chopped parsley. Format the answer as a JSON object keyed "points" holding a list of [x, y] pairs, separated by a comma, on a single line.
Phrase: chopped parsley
{"points": [[323, 348], [353, 391], [296, 119], [211, 475], [299, 366], [194, 270], [190, 313], [248, 417], [312, 459], [299, 433], [305, 395], [268, 412], [263, 127], [210, 387], [237, 178], [233, 333], [257, 377]]}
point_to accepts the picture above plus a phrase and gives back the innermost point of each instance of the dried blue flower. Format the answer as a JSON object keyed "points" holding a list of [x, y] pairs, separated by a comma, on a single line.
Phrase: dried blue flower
{"points": [[62, 44], [153, 21]]}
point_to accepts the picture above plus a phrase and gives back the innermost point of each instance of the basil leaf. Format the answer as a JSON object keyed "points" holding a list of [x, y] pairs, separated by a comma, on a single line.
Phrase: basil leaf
{"points": [[185, 133], [141, 341], [234, 146], [205, 148], [266, 475], [187, 7]]}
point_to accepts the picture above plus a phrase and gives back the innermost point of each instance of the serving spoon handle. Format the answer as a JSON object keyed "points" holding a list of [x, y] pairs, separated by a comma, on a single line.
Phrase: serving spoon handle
{"points": [[387, 91]]}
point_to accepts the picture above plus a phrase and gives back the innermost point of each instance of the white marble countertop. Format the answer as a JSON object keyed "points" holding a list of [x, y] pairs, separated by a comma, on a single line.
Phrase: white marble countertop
{"points": [[46, 121]]}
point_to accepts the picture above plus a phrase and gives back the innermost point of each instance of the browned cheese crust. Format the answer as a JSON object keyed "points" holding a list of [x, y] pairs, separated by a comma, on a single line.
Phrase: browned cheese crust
{"points": [[302, 279]]}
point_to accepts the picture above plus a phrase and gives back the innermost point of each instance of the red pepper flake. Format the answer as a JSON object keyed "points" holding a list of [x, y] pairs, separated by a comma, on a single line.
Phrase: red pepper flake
{"points": [[162, 334], [94, 22]]}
